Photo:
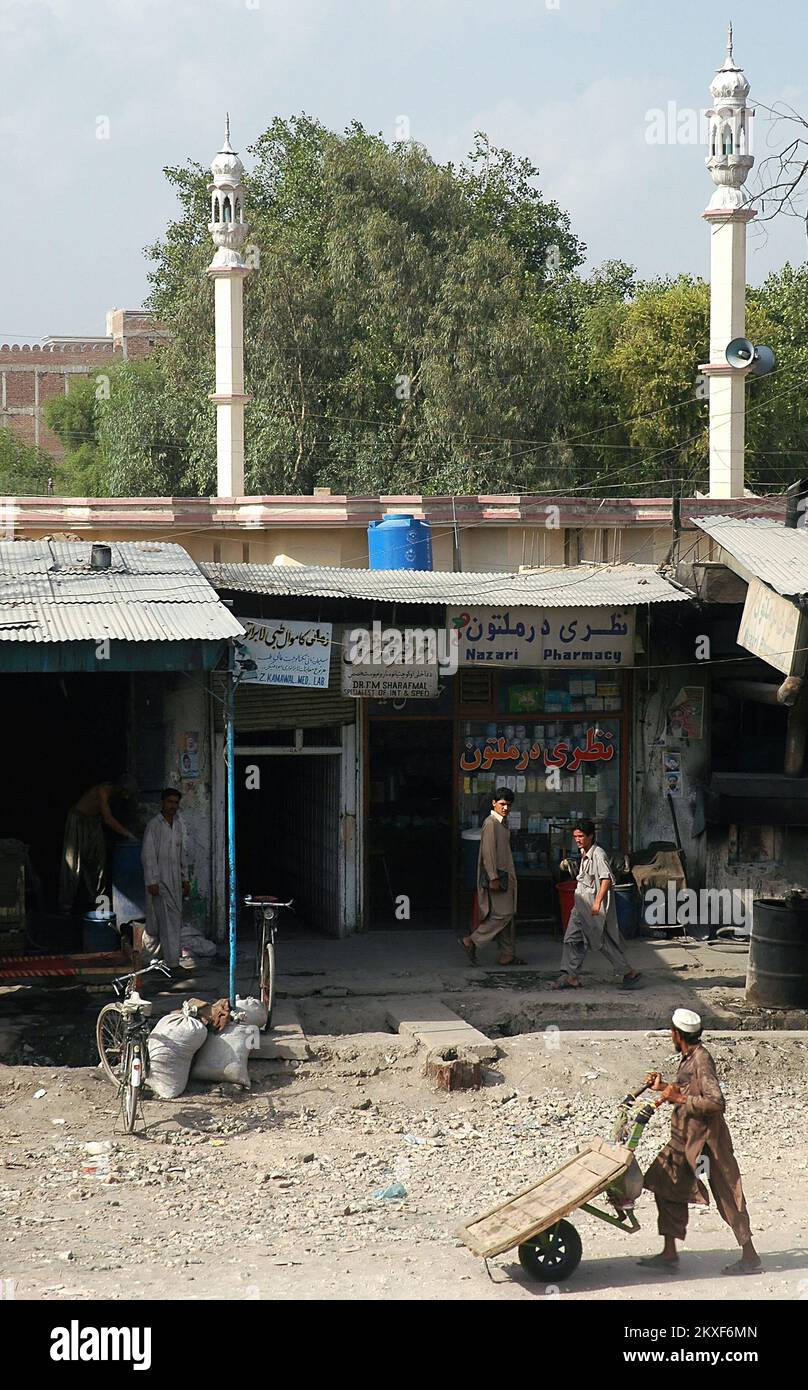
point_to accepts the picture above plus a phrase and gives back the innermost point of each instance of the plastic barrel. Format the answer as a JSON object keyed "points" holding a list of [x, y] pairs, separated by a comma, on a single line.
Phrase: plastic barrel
{"points": [[128, 889], [566, 897], [777, 973], [99, 932], [399, 542], [627, 903]]}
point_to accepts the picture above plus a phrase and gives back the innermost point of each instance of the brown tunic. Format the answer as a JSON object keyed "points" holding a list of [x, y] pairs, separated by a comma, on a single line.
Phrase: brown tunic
{"points": [[698, 1127], [495, 857]]}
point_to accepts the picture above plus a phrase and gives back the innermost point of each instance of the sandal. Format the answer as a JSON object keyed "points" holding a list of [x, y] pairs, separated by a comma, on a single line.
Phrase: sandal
{"points": [[741, 1268], [659, 1262], [471, 951], [565, 983]]}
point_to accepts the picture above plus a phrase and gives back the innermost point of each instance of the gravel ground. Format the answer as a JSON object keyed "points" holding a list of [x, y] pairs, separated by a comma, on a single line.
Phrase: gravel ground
{"points": [[270, 1193]]}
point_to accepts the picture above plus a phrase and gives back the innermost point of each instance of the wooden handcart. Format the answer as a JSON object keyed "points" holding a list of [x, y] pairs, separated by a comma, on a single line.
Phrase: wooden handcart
{"points": [[549, 1247]]}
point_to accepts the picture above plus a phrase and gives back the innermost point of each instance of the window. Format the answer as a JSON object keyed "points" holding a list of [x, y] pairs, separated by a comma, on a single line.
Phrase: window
{"points": [[755, 844], [554, 786], [476, 689]]}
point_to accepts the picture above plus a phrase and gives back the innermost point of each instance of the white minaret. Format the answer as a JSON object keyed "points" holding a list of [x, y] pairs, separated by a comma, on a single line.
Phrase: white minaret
{"points": [[727, 214], [227, 269]]}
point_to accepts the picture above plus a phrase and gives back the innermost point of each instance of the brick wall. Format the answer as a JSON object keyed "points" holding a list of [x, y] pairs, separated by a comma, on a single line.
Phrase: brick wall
{"points": [[30, 375]]}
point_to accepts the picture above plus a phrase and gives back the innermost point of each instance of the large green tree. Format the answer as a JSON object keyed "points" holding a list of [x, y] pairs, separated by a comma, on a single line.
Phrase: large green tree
{"points": [[395, 336], [415, 326], [24, 469], [119, 431], [641, 422], [777, 406]]}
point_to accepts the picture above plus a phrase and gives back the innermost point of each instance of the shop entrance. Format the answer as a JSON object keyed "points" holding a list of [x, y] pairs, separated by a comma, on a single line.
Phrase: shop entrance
{"points": [[409, 823], [62, 734], [288, 833]]}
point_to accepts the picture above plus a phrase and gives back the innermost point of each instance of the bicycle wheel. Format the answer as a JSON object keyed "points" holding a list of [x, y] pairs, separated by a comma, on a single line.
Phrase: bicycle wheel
{"points": [[267, 979], [109, 1037], [130, 1087]]}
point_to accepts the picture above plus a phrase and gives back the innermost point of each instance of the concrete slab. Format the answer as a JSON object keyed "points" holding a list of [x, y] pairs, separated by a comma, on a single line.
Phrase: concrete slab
{"points": [[468, 1039], [285, 1041], [433, 1025], [418, 1010]]}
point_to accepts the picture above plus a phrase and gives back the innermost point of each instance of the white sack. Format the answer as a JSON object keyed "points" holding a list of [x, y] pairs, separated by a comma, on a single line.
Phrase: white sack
{"points": [[196, 945], [172, 1045], [252, 1011], [224, 1055]]}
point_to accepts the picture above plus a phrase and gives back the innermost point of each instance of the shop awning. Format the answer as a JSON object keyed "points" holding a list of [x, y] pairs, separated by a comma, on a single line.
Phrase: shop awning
{"points": [[151, 609], [557, 587], [759, 548]]}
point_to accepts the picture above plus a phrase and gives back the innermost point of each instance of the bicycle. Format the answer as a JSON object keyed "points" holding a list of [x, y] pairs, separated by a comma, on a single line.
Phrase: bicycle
{"points": [[266, 911], [121, 1034]]}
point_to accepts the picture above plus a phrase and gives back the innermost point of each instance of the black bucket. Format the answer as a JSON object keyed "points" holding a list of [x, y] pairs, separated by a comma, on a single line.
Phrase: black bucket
{"points": [[777, 975]]}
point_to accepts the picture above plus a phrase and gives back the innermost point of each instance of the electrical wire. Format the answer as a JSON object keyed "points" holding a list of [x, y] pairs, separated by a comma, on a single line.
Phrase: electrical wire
{"points": [[574, 441]]}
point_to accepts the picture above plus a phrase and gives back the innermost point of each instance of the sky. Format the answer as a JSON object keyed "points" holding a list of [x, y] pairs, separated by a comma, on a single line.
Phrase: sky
{"points": [[602, 95]]}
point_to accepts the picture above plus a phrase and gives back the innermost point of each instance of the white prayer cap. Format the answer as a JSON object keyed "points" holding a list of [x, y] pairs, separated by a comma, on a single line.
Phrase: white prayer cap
{"points": [[685, 1021]]}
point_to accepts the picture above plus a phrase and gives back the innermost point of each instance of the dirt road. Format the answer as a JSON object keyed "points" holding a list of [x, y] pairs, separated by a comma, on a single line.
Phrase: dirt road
{"points": [[269, 1194]]}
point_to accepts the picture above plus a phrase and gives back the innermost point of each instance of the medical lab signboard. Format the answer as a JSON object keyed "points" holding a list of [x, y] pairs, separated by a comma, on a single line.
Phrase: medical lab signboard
{"points": [[286, 652], [586, 638]]}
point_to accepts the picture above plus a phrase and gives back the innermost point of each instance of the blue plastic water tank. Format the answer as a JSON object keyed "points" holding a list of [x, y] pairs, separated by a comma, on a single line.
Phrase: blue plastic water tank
{"points": [[399, 542]]}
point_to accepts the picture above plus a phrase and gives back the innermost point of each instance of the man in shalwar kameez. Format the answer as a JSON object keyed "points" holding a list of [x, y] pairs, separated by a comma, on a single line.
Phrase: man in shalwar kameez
{"points": [[84, 850], [592, 925], [165, 874], [700, 1146], [496, 885]]}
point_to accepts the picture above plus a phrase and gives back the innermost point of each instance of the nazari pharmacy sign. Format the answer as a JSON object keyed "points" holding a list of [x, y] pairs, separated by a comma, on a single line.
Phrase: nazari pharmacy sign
{"points": [[581, 637]]}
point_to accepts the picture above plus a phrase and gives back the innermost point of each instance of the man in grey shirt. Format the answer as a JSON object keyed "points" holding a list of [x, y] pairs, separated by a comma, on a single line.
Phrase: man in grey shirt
{"points": [[593, 920]]}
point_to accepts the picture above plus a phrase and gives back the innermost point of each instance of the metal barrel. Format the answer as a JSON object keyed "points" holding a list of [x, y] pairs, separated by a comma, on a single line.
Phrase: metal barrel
{"points": [[777, 974]]}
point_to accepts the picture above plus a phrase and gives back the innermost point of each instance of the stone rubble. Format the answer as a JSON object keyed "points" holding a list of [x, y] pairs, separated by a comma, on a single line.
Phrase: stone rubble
{"points": [[291, 1169]]}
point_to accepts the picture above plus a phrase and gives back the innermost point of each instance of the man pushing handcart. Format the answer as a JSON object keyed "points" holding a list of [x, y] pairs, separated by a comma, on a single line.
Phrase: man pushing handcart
{"points": [[534, 1221]]}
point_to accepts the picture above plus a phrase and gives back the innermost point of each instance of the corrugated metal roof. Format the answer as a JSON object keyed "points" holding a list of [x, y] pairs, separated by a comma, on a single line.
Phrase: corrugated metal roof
{"points": [[591, 585], [151, 593], [759, 548]]}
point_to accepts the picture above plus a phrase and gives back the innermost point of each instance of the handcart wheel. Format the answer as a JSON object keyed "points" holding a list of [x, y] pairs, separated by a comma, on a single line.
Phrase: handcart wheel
{"points": [[553, 1254]]}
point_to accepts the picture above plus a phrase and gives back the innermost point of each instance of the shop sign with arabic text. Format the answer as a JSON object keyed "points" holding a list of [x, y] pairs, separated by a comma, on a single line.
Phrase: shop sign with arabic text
{"points": [[505, 755], [390, 682], [770, 626], [586, 638], [287, 652]]}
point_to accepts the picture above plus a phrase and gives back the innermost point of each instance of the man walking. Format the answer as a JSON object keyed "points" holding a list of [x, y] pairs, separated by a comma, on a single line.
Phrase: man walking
{"points": [[496, 885], [84, 850], [593, 920], [166, 876], [700, 1146]]}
